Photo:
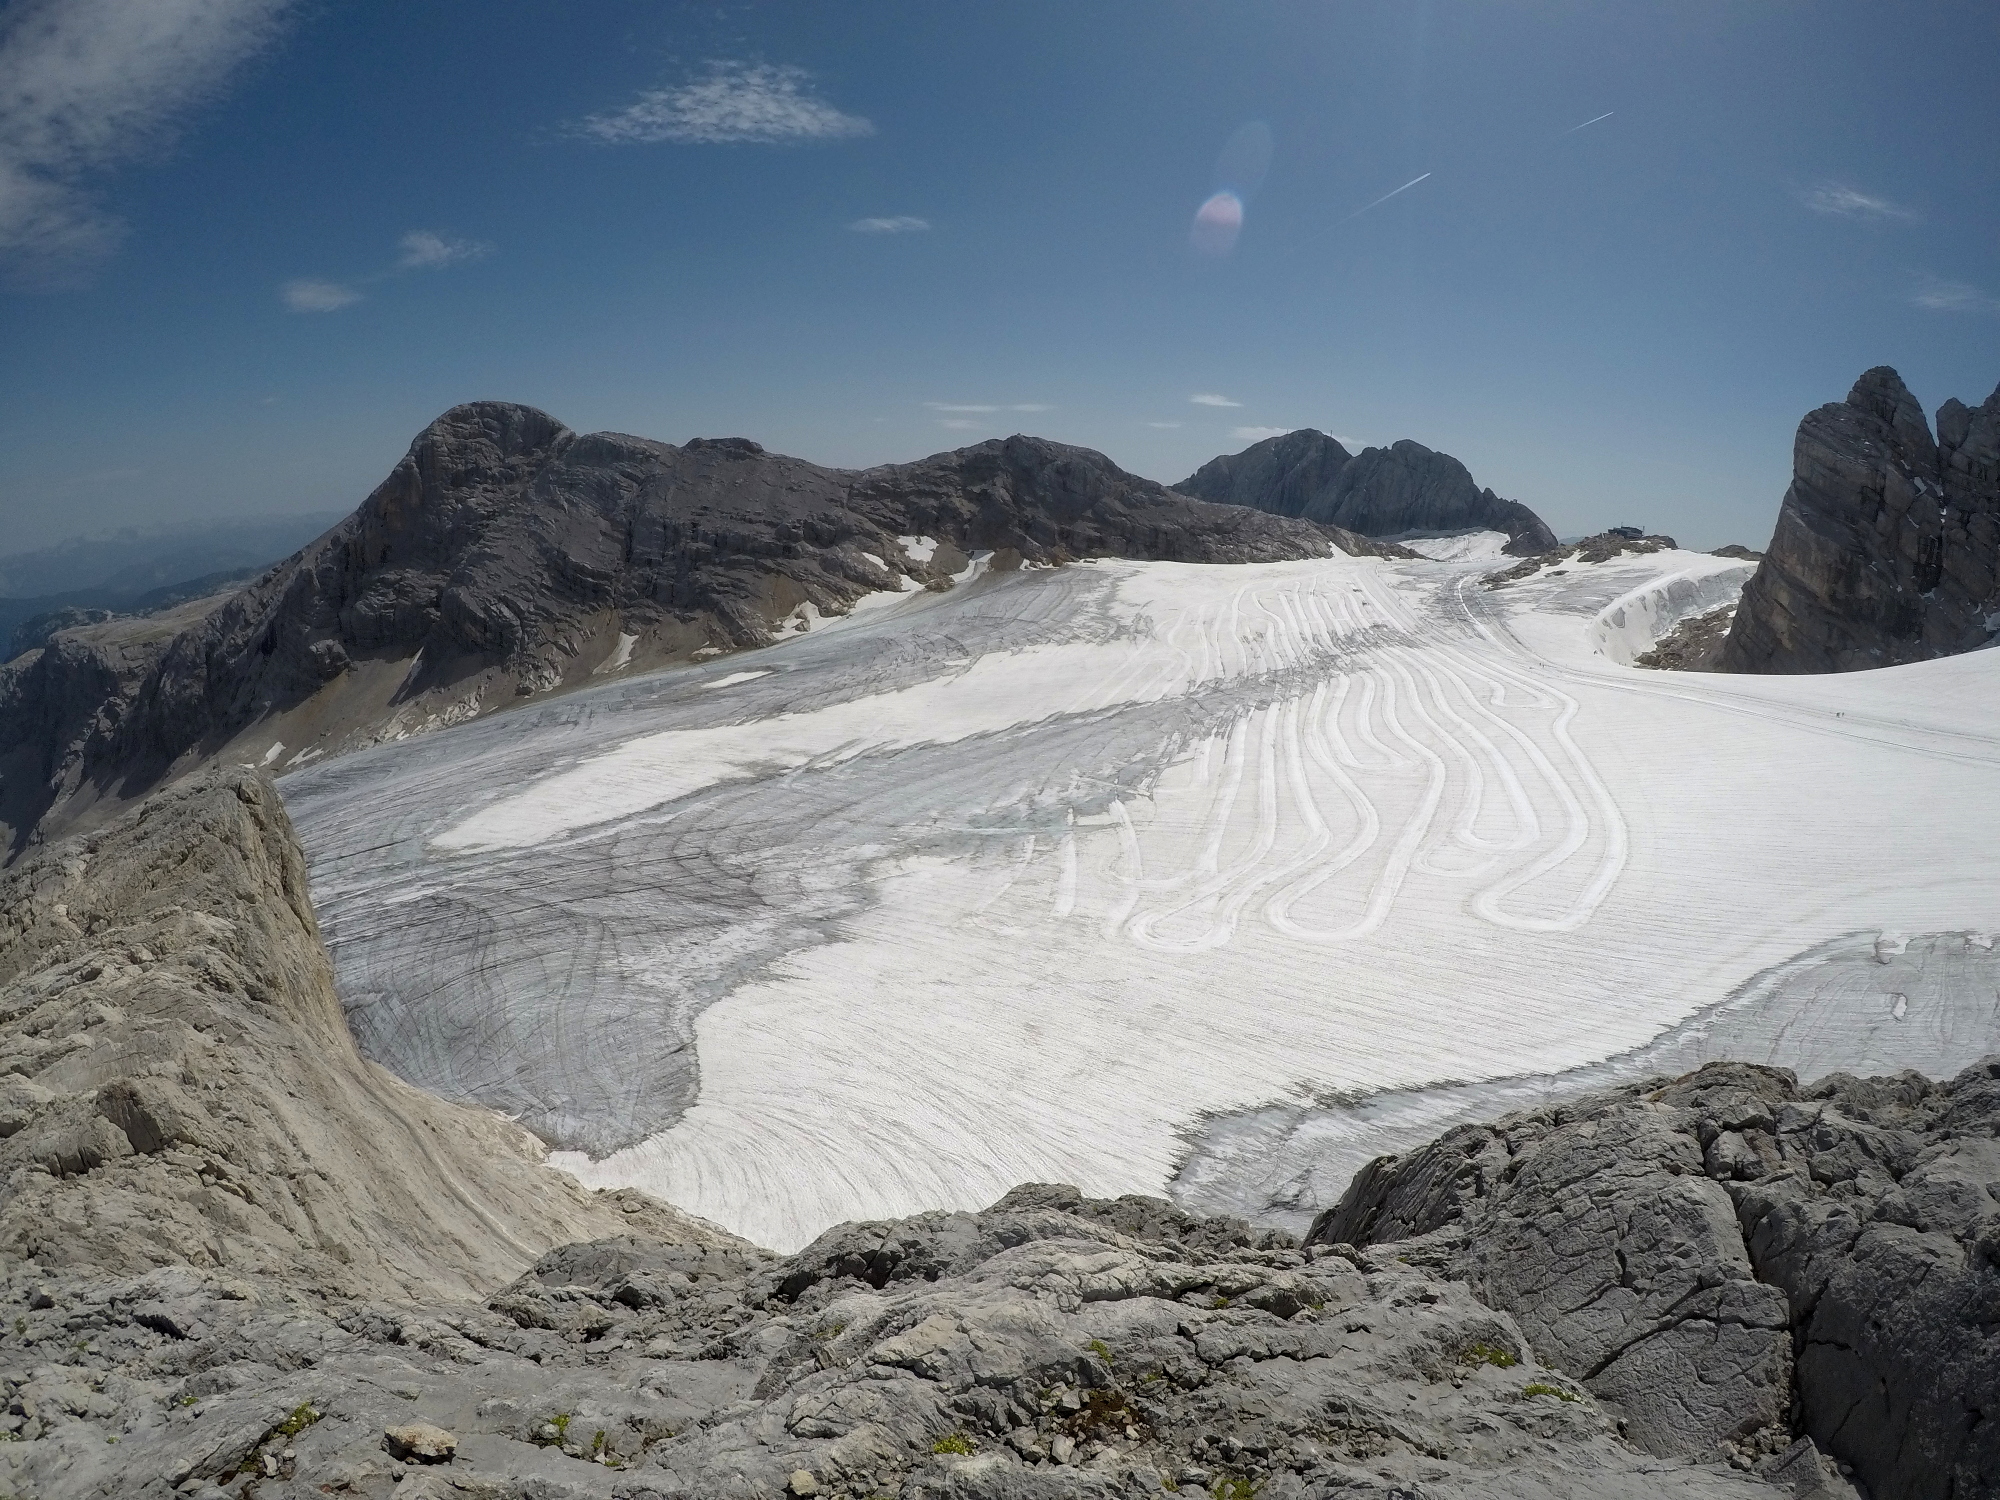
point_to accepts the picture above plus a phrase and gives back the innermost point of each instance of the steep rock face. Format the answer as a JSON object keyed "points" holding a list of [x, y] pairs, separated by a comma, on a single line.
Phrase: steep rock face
{"points": [[1707, 1251], [1283, 475], [1400, 490], [1887, 544], [506, 555], [178, 1087]]}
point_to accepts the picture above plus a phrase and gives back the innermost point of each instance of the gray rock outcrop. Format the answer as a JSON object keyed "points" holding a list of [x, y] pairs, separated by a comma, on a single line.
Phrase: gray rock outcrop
{"points": [[1887, 547], [1732, 1252], [1051, 1347], [178, 1087], [1403, 490], [507, 556]]}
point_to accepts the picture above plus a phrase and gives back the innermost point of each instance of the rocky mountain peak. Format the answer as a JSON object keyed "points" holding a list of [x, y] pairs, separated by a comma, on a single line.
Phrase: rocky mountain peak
{"points": [[1283, 475], [738, 445], [1881, 394], [1969, 445], [1887, 547], [1402, 490]]}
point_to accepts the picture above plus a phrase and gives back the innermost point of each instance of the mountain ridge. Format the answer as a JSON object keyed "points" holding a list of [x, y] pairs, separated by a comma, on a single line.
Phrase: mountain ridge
{"points": [[1388, 493], [506, 556]]}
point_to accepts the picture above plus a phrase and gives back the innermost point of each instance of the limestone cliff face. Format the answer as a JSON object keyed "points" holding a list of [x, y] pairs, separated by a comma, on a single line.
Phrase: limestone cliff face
{"points": [[1400, 490], [1887, 543], [506, 556], [178, 1086]]}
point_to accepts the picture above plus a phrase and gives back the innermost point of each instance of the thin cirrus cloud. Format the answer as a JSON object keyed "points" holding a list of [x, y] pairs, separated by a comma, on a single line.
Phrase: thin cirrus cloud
{"points": [[1939, 295], [1838, 200], [418, 250], [1209, 398], [1257, 434], [736, 103], [87, 84], [307, 294], [960, 406], [1163, 425], [426, 249], [898, 224]]}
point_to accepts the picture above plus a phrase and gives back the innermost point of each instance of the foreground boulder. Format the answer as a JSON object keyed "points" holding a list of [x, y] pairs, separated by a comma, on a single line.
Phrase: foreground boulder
{"points": [[1403, 490], [506, 556], [1887, 543], [1732, 1258]]}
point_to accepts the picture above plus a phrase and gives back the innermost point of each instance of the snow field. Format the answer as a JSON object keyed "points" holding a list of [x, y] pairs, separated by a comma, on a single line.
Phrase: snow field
{"points": [[1467, 546], [1134, 845]]}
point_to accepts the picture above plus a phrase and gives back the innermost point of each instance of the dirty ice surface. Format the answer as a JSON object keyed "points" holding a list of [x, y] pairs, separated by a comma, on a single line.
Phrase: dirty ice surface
{"points": [[1056, 875]]}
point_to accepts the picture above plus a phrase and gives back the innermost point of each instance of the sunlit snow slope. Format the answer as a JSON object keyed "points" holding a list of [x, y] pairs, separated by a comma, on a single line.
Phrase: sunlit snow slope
{"points": [[1027, 880]]}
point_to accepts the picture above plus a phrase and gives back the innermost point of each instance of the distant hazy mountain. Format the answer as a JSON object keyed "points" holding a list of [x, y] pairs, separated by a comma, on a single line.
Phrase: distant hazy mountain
{"points": [[1403, 490], [136, 559]]}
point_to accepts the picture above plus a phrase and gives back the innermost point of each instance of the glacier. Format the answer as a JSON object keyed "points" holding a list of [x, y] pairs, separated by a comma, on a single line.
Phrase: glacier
{"points": [[1127, 874]]}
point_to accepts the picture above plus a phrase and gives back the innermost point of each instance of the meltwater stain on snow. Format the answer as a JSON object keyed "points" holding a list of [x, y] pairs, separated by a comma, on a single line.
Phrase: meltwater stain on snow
{"points": [[1866, 1003]]}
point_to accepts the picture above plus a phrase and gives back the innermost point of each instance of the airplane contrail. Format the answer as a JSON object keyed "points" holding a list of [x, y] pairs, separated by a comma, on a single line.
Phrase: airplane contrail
{"points": [[1387, 196], [1605, 116]]}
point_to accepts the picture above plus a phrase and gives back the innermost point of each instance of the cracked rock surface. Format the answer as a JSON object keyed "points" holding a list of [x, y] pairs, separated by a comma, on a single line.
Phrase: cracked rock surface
{"points": [[1732, 1253], [1050, 1346]]}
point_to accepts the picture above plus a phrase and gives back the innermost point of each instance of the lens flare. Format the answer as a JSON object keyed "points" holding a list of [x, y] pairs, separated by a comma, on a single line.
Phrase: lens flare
{"points": [[1217, 223]]}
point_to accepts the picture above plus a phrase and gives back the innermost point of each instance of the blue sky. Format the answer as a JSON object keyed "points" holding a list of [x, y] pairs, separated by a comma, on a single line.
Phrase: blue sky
{"points": [[250, 247]]}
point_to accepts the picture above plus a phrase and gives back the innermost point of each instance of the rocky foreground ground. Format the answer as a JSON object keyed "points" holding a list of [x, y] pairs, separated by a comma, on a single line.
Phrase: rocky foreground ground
{"points": [[235, 1259]]}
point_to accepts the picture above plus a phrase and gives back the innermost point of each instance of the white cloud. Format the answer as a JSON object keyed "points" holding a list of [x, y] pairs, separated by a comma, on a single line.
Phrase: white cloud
{"points": [[85, 84], [1209, 398], [900, 224], [1019, 406], [1843, 202], [1953, 296], [1163, 424], [1257, 434], [736, 102], [308, 295], [425, 249]]}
